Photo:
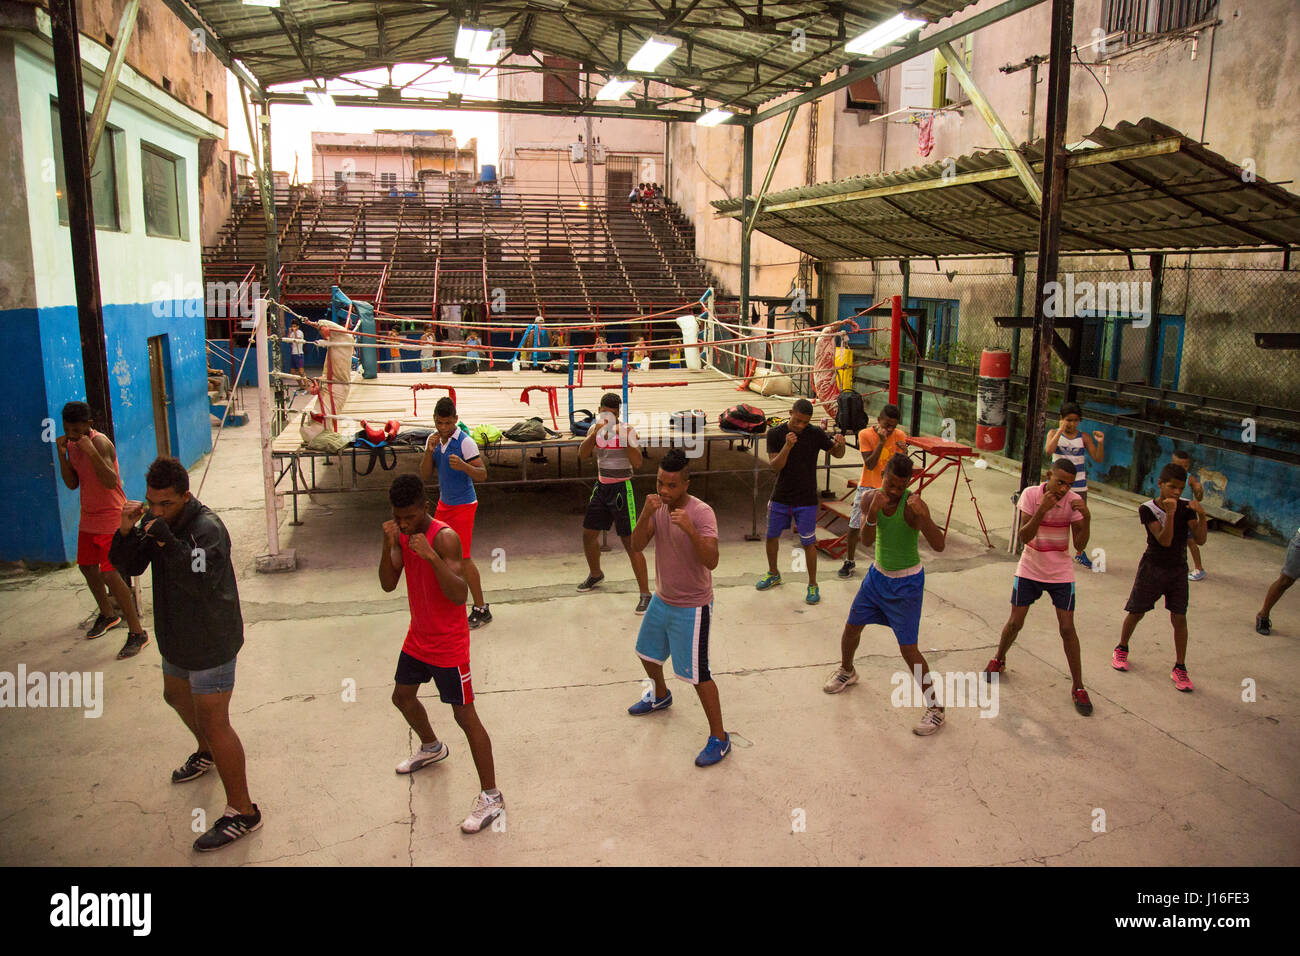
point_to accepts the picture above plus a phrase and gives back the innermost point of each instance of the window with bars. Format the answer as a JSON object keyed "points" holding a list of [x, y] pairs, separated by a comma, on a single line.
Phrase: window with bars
{"points": [[1138, 19], [388, 180]]}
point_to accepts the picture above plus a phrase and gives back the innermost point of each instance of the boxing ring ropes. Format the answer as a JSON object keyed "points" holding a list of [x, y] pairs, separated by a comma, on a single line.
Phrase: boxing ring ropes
{"points": [[289, 457]]}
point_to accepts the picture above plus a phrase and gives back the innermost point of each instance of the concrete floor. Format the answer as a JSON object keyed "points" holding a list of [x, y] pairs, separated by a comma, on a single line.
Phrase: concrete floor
{"points": [[1183, 779]]}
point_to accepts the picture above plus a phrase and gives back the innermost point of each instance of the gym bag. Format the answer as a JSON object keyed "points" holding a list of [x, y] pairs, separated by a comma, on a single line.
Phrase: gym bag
{"points": [[851, 413], [530, 429], [743, 418]]}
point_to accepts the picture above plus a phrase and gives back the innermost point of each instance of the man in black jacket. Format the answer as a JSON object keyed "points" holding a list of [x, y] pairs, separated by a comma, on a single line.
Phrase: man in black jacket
{"points": [[199, 629]]}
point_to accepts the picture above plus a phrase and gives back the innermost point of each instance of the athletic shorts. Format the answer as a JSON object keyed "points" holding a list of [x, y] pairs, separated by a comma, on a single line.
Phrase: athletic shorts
{"points": [[679, 632], [894, 602], [298, 362], [461, 519], [1025, 591], [213, 680], [855, 518], [611, 504], [92, 549], [453, 683], [804, 519], [1154, 582], [1291, 567]]}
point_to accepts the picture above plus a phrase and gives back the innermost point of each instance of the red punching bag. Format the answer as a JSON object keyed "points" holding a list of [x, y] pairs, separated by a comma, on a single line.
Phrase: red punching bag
{"points": [[991, 409]]}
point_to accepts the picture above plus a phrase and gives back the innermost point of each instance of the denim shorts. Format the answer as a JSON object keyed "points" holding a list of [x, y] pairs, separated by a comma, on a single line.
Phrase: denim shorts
{"points": [[214, 680], [1291, 567]]}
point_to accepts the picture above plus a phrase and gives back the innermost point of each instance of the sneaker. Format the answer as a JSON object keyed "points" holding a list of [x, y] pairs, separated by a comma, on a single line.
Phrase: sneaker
{"points": [[814, 595], [199, 763], [846, 569], [840, 680], [930, 723], [769, 580], [487, 807], [479, 616], [590, 582], [995, 667], [1197, 575], [135, 643], [102, 624], [422, 758], [713, 751], [1082, 559], [642, 604], [1081, 702], [1119, 659], [647, 704], [1263, 625], [228, 829], [1179, 676]]}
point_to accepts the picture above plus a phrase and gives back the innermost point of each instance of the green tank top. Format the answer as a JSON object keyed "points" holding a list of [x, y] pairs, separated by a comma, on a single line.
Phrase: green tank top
{"points": [[896, 540]]}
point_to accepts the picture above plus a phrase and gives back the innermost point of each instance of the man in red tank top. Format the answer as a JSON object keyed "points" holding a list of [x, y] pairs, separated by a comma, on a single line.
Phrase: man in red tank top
{"points": [[88, 461], [437, 641]]}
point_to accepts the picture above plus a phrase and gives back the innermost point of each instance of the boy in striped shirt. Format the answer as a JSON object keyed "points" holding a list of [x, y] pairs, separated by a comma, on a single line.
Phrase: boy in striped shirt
{"points": [[1053, 512], [1066, 441]]}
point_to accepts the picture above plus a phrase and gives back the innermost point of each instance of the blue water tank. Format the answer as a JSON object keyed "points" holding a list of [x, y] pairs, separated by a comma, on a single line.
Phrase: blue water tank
{"points": [[489, 174]]}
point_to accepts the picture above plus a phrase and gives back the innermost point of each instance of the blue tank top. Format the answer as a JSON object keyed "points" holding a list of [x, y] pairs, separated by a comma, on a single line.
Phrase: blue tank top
{"points": [[1074, 450]]}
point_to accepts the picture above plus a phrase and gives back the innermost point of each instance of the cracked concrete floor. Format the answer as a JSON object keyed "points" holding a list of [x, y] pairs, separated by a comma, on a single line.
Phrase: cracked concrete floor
{"points": [[1183, 779]]}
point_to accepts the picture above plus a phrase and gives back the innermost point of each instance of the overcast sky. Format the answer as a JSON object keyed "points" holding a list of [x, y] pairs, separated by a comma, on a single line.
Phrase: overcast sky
{"points": [[292, 126]]}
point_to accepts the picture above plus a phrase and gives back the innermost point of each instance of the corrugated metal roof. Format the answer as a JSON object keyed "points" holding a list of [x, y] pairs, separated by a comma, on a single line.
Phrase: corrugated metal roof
{"points": [[736, 56], [1143, 186]]}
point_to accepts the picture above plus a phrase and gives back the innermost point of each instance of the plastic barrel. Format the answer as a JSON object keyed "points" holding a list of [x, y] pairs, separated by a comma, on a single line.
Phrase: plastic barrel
{"points": [[488, 174], [991, 410]]}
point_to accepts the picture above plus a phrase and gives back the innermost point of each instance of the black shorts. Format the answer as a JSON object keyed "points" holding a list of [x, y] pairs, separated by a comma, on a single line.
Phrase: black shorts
{"points": [[453, 683], [611, 504], [1154, 581]]}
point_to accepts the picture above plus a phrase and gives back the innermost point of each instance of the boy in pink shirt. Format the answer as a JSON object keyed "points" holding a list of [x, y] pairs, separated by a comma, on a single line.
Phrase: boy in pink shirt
{"points": [[1052, 513]]}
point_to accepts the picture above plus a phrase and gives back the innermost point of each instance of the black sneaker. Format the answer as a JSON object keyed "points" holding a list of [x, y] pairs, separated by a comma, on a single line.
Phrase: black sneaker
{"points": [[846, 569], [135, 643], [1263, 625], [228, 829], [199, 763], [590, 582], [479, 616], [642, 604], [102, 625]]}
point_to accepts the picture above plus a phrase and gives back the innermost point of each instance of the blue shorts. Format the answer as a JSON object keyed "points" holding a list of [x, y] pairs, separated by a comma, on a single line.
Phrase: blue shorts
{"points": [[894, 602], [298, 362], [682, 632], [803, 517], [214, 680], [1025, 591]]}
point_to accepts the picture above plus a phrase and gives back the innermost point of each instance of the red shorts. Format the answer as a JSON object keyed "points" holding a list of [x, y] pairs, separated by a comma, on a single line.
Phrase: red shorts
{"points": [[461, 519], [92, 549]]}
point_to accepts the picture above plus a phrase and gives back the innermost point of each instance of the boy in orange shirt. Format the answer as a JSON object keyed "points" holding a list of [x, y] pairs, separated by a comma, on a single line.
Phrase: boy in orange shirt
{"points": [[878, 443]]}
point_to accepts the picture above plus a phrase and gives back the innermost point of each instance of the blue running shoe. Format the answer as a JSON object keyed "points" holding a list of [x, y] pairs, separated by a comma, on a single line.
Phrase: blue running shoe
{"points": [[1082, 559], [648, 704], [713, 751], [814, 595], [769, 580]]}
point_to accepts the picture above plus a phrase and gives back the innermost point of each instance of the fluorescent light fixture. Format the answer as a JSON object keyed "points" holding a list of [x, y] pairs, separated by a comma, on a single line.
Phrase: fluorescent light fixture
{"points": [[319, 98], [261, 3], [653, 52], [474, 44], [889, 31], [714, 117], [615, 89]]}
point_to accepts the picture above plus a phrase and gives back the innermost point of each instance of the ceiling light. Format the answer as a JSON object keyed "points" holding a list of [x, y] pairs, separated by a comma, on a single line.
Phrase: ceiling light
{"points": [[615, 89], [319, 98], [261, 3], [714, 117], [474, 44], [882, 35], [653, 52]]}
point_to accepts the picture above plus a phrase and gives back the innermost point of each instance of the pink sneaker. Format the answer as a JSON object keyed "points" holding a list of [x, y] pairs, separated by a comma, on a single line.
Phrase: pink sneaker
{"points": [[1180, 678], [1119, 660]]}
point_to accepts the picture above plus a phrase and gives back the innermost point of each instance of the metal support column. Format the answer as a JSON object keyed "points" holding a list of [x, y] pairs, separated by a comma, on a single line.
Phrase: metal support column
{"points": [[746, 186], [108, 83], [771, 168], [81, 214], [1049, 236]]}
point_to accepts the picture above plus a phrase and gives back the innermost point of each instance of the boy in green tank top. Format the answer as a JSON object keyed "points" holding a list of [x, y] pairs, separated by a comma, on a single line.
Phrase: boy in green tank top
{"points": [[893, 588]]}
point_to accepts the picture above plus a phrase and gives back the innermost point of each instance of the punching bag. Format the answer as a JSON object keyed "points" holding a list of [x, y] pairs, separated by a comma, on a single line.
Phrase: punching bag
{"points": [[991, 410]]}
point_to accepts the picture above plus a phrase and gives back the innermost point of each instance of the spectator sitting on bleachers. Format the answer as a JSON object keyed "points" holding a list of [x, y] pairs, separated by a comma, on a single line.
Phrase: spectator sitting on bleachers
{"points": [[602, 344], [635, 195]]}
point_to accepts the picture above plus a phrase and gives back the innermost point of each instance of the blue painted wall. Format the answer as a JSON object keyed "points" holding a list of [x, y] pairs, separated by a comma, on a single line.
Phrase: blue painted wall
{"points": [[47, 372]]}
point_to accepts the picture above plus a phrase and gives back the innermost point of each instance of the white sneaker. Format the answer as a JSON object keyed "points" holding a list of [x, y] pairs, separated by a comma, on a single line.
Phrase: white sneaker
{"points": [[930, 723], [487, 807], [840, 680], [422, 758]]}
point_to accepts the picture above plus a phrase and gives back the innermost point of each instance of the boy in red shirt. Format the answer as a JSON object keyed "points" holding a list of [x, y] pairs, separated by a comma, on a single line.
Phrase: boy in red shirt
{"points": [[437, 641], [88, 461]]}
